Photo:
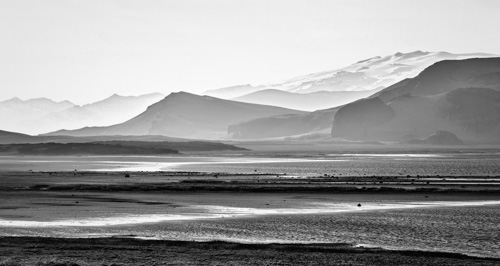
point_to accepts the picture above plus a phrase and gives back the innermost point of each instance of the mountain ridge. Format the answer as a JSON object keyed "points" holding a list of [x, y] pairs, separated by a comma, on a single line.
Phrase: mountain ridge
{"points": [[375, 73], [459, 96], [41, 115], [185, 114]]}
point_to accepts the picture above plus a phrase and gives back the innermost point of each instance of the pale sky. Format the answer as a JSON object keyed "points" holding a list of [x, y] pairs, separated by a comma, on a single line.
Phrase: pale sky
{"points": [[87, 50]]}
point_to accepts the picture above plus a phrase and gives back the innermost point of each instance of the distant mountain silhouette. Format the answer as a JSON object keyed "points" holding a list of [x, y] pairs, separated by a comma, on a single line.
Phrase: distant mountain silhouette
{"points": [[13, 137], [43, 115], [19, 115], [12, 143], [459, 96], [284, 125], [303, 101], [439, 138], [112, 110], [388, 70], [185, 115], [232, 92]]}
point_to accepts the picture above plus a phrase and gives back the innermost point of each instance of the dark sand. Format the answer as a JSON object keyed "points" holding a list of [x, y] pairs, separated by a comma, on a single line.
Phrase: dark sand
{"points": [[123, 251]]}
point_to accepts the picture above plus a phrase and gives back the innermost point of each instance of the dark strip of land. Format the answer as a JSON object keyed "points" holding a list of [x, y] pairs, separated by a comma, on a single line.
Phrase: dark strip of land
{"points": [[128, 251], [226, 182]]}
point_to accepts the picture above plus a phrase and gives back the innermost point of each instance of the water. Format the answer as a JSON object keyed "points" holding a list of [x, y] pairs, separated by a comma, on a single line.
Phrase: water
{"points": [[448, 223], [457, 223], [444, 164]]}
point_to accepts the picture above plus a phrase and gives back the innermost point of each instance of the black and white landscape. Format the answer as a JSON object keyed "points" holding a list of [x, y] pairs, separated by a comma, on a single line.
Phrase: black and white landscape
{"points": [[249, 132]]}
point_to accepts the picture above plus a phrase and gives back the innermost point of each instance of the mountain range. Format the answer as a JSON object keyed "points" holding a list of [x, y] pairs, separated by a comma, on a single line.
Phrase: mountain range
{"points": [[372, 74], [473, 76], [303, 101], [43, 115], [185, 115], [457, 96]]}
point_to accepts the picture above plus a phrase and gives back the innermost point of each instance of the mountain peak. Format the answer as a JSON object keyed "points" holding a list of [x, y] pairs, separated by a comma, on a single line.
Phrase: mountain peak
{"points": [[15, 100], [411, 54], [369, 59], [181, 94]]}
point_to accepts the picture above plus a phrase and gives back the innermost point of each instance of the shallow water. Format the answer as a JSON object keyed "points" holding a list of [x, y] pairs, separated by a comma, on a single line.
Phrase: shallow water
{"points": [[463, 226], [445, 164]]}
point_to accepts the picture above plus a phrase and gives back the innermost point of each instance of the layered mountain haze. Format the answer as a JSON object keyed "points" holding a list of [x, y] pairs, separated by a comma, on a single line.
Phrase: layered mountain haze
{"points": [[19, 115], [43, 115], [232, 92], [373, 74], [277, 110], [185, 115], [303, 101], [317, 122], [13, 137], [358, 81], [458, 96]]}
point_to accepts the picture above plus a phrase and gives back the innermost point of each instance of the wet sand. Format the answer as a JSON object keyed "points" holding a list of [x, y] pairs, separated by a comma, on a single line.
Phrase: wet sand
{"points": [[36, 205]]}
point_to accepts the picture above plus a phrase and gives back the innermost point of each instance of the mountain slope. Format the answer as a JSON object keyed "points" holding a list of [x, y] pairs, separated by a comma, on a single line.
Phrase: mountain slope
{"points": [[303, 101], [112, 110], [13, 137], [285, 125], [371, 74], [185, 115], [454, 75], [232, 92], [459, 96]]}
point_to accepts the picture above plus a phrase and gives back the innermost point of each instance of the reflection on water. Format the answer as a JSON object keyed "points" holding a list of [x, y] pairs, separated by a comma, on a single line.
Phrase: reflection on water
{"points": [[197, 212], [413, 155], [462, 227], [315, 164]]}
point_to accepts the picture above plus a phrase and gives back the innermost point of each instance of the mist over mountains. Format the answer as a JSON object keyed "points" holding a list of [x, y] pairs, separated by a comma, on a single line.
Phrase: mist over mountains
{"points": [[21, 116], [303, 101], [421, 104], [456, 96], [43, 115], [185, 115], [459, 96], [351, 83]]}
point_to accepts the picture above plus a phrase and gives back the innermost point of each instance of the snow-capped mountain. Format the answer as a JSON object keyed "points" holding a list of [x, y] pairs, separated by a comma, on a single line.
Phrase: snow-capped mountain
{"points": [[375, 73], [457, 96]]}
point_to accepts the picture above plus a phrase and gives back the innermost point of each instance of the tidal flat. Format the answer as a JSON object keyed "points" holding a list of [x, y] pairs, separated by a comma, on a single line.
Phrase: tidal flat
{"points": [[254, 211]]}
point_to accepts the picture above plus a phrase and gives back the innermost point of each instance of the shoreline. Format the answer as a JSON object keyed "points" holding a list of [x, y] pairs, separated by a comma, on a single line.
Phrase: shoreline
{"points": [[99, 251]]}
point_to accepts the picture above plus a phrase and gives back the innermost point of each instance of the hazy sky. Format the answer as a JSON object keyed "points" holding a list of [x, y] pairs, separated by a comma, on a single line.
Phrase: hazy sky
{"points": [[87, 50]]}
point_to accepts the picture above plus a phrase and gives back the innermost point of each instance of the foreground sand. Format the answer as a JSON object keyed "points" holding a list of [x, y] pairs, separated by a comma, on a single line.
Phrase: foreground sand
{"points": [[123, 251]]}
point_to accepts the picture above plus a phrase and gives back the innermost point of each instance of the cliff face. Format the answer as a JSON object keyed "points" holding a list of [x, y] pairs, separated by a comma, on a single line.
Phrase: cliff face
{"points": [[283, 125], [355, 121], [440, 98], [471, 113]]}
